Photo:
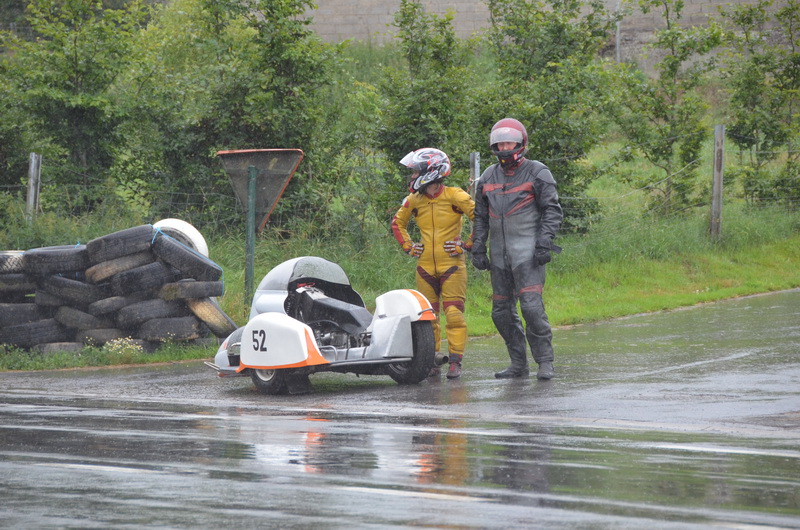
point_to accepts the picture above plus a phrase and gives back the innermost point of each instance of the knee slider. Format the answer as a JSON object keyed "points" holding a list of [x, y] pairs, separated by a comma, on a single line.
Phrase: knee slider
{"points": [[454, 313]]}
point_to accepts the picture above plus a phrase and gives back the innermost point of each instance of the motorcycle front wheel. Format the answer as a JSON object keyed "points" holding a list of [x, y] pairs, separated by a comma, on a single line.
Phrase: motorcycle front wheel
{"points": [[269, 382]]}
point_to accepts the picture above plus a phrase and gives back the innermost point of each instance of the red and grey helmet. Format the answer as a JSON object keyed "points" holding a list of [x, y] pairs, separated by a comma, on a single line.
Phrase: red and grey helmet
{"points": [[509, 130], [432, 165]]}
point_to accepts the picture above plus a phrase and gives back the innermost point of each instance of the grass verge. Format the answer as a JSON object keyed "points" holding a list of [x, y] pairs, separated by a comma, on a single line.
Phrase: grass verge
{"points": [[623, 266]]}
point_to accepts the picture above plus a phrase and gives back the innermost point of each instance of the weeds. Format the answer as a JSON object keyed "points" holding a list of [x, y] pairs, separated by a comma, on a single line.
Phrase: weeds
{"points": [[625, 263]]}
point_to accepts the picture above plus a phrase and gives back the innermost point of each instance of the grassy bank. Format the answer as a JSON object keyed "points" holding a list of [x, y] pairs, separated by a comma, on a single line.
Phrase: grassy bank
{"points": [[623, 266], [609, 290]]}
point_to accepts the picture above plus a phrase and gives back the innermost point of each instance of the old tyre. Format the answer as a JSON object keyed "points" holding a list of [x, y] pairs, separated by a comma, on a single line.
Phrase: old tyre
{"points": [[78, 320], [15, 283], [106, 269], [171, 329], [12, 261], [212, 316], [183, 232], [121, 243], [188, 261], [269, 382], [53, 260], [32, 333], [131, 316], [411, 373], [144, 278], [115, 303], [191, 289], [13, 314], [98, 337], [75, 291], [45, 299]]}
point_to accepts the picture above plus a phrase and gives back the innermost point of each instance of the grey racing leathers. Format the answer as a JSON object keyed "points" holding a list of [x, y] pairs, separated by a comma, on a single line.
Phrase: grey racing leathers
{"points": [[517, 210]]}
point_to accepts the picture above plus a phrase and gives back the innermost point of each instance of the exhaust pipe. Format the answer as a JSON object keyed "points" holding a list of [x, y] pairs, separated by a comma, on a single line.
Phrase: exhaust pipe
{"points": [[440, 359]]}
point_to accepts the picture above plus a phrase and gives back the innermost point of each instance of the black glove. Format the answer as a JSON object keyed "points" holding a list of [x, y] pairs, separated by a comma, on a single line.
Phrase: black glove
{"points": [[480, 262], [541, 255]]}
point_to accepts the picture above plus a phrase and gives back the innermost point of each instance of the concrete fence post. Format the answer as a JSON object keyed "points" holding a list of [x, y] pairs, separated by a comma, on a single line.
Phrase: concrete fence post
{"points": [[34, 184], [474, 171]]}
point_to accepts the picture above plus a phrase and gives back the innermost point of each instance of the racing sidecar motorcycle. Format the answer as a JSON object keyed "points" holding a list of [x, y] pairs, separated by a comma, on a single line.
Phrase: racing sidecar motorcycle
{"points": [[306, 318]]}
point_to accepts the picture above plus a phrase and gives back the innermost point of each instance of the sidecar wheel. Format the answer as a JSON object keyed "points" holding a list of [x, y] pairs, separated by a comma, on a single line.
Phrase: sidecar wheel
{"points": [[413, 372], [269, 382]]}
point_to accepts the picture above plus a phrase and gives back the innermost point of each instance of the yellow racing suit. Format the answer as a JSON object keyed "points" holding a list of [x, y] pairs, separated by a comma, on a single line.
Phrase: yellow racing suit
{"points": [[442, 278]]}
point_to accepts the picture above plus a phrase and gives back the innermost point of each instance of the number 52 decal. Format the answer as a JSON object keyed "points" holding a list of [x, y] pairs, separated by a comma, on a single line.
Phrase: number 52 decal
{"points": [[259, 340]]}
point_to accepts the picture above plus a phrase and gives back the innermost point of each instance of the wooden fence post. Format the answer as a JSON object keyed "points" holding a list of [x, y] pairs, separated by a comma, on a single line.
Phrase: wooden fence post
{"points": [[716, 188]]}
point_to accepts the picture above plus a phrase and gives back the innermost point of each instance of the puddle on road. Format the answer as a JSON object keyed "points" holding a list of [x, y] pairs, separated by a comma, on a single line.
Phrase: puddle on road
{"points": [[650, 429], [630, 471]]}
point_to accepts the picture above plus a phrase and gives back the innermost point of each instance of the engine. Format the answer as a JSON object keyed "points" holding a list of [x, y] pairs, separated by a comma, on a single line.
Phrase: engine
{"points": [[335, 322]]}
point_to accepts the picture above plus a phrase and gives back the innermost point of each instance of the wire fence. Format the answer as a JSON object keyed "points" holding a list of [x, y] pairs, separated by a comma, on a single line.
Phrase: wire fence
{"points": [[626, 202], [22, 31]]}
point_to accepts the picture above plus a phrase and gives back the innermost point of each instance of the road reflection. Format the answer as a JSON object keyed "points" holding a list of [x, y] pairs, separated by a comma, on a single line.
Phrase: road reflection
{"points": [[635, 432]]}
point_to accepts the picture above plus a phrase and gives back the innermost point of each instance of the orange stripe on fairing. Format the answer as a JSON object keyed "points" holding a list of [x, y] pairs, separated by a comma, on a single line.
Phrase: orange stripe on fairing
{"points": [[314, 358], [427, 311]]}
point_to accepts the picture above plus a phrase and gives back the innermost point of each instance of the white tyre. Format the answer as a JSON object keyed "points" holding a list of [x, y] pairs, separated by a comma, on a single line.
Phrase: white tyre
{"points": [[185, 233]]}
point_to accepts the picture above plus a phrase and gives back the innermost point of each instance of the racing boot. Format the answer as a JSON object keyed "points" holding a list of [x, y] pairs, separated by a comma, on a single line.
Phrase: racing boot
{"points": [[455, 366], [512, 372], [546, 370], [519, 364], [507, 322]]}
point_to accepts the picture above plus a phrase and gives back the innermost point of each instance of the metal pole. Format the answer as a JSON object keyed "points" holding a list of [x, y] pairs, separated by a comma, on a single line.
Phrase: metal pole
{"points": [[474, 171], [716, 188], [252, 173]]}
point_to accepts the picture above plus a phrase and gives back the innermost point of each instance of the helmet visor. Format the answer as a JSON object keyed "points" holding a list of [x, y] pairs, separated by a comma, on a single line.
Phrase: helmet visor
{"points": [[505, 134], [408, 159]]}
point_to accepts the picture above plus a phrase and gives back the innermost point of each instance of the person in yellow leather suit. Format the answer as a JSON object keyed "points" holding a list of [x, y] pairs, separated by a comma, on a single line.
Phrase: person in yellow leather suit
{"points": [[438, 211]]}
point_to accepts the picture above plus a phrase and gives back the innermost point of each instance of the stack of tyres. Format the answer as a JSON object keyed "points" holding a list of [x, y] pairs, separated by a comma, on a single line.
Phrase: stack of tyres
{"points": [[140, 283]]}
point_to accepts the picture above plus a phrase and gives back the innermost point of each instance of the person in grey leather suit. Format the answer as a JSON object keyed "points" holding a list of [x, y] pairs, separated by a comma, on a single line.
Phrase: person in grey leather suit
{"points": [[517, 211]]}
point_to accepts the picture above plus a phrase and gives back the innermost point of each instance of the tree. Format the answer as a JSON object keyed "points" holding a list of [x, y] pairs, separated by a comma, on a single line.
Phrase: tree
{"points": [[549, 76], [661, 116], [427, 100], [763, 80], [63, 79], [12, 12], [251, 75]]}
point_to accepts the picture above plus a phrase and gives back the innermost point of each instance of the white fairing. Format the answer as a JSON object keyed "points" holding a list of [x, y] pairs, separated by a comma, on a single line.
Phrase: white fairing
{"points": [[274, 340], [401, 302], [268, 302], [221, 358], [391, 337]]}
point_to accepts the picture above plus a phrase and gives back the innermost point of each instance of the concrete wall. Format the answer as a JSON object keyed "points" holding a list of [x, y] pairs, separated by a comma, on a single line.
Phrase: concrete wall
{"points": [[370, 20]]}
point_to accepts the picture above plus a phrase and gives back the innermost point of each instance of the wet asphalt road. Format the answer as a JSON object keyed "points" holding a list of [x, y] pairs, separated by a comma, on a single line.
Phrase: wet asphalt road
{"points": [[686, 419]]}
